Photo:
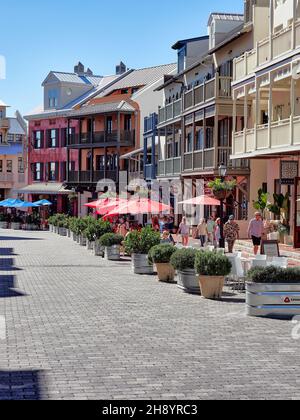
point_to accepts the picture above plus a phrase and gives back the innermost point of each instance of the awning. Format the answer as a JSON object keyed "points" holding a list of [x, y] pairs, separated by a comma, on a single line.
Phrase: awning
{"points": [[52, 188]]}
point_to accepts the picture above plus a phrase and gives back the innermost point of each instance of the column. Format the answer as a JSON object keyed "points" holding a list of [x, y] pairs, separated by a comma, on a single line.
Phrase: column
{"points": [[204, 137], [234, 122], [294, 24], [257, 110], [194, 137], [216, 141], [293, 103], [119, 149], [68, 151], [271, 29], [246, 118], [270, 110]]}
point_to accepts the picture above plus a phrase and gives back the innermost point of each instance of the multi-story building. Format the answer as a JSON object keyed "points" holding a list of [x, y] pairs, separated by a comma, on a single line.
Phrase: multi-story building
{"points": [[195, 125], [111, 130], [266, 84], [13, 156], [49, 129]]}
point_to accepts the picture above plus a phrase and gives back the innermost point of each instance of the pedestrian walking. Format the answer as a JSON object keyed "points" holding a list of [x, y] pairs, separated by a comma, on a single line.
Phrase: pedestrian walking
{"points": [[211, 225], [256, 231], [202, 232], [184, 231], [231, 233]]}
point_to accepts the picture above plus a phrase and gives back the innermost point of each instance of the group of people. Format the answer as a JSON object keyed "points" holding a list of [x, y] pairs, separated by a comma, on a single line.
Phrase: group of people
{"points": [[209, 231]]}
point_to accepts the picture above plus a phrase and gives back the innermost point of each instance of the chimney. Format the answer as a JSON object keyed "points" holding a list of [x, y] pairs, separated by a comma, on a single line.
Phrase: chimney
{"points": [[121, 68], [89, 72], [79, 69]]}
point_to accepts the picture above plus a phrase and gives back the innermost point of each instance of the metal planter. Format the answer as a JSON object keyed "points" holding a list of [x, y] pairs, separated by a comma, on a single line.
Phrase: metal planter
{"points": [[112, 253], [82, 240], [74, 237], [99, 250], [90, 245], [188, 281], [3, 225], [140, 264], [16, 226], [62, 231], [273, 300]]}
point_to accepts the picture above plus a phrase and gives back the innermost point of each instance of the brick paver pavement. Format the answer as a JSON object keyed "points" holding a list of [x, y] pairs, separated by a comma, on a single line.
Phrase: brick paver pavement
{"points": [[78, 327]]}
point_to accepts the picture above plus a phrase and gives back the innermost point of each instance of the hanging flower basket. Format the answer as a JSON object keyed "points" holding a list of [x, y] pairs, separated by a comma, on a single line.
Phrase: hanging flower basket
{"points": [[222, 189]]}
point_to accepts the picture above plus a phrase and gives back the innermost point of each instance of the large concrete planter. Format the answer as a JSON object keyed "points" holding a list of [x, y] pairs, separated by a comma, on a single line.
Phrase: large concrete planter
{"points": [[90, 245], [188, 280], [112, 253], [51, 228], [62, 231], [165, 272], [99, 250], [267, 300], [141, 265], [3, 225], [211, 286], [82, 240], [16, 226]]}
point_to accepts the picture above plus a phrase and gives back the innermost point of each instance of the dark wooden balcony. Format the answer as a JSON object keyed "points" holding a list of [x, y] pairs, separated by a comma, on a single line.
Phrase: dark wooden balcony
{"points": [[102, 138], [91, 177]]}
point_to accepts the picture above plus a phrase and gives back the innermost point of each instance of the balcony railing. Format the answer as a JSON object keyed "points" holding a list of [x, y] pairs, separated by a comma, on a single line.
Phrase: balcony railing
{"points": [[219, 87], [266, 50], [169, 167], [267, 139], [4, 123], [87, 177], [6, 177], [127, 138], [150, 170]]}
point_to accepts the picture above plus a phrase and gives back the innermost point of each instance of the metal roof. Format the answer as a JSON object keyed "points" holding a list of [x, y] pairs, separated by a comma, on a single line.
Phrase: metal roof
{"points": [[3, 104], [15, 127], [75, 78], [11, 149], [103, 108], [226, 16], [50, 188], [140, 78]]}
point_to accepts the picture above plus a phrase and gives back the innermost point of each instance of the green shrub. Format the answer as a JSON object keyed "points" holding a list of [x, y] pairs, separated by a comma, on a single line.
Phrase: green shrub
{"points": [[101, 228], [141, 242], [274, 275], [209, 263], [184, 259], [111, 239], [161, 254], [3, 217]]}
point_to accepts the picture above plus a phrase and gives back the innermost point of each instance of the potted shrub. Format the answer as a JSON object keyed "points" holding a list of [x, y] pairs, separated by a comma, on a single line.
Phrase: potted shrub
{"points": [[3, 221], [222, 189], [101, 228], [138, 244], [112, 243], [160, 255], [16, 223], [90, 234], [62, 225], [273, 291], [183, 260], [212, 268]]}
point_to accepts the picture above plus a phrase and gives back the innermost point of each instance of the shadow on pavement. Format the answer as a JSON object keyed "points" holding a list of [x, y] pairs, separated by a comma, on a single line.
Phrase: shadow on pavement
{"points": [[8, 264], [18, 238], [7, 252], [20, 385], [8, 287]]}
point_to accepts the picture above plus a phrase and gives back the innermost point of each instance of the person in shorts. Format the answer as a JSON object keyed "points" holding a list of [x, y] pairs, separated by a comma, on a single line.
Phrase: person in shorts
{"points": [[256, 231]]}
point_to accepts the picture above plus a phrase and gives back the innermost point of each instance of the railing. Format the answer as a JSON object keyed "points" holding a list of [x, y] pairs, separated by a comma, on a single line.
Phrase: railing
{"points": [[89, 177], [4, 123], [170, 111], [150, 123], [149, 169], [169, 167], [281, 43], [6, 177], [102, 137]]}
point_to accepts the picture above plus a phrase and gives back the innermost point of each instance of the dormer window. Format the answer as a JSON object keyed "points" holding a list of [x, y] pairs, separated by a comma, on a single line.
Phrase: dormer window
{"points": [[53, 98]]}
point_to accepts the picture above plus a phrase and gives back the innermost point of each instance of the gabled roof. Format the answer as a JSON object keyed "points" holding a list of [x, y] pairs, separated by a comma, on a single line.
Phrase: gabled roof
{"points": [[3, 104], [140, 78], [103, 108], [73, 78], [183, 42]]}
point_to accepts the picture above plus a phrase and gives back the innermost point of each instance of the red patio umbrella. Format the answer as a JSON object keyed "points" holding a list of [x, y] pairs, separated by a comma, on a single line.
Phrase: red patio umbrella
{"points": [[142, 206], [109, 205], [202, 200]]}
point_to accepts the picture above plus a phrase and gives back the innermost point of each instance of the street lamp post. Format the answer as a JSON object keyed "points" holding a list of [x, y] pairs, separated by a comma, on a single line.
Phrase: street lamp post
{"points": [[222, 173]]}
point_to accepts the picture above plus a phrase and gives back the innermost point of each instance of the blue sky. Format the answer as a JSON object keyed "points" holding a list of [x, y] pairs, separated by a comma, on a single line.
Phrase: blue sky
{"points": [[55, 34]]}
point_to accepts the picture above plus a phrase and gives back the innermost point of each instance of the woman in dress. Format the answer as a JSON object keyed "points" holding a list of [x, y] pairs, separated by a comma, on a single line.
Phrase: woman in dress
{"points": [[184, 231]]}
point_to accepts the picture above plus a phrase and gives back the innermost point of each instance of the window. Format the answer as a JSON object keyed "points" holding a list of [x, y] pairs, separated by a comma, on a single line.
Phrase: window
{"points": [[109, 125], [52, 138], [38, 137], [170, 148], [37, 169], [10, 138], [209, 138], [224, 133], [52, 98], [9, 166], [20, 165], [1, 138], [1, 166], [199, 139], [100, 163], [189, 142], [181, 59], [127, 123], [52, 171]]}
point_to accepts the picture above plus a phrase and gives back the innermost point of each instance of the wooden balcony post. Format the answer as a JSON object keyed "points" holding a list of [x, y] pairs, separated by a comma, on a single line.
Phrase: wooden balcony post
{"points": [[216, 140], [271, 29], [257, 110], [246, 118], [293, 101], [294, 24], [204, 137]]}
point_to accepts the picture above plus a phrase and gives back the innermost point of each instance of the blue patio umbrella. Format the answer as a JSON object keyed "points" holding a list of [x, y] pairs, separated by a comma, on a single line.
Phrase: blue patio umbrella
{"points": [[25, 205], [7, 201], [12, 203], [43, 203]]}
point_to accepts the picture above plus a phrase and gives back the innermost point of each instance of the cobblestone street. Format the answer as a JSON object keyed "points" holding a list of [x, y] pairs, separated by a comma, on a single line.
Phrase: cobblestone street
{"points": [[78, 327]]}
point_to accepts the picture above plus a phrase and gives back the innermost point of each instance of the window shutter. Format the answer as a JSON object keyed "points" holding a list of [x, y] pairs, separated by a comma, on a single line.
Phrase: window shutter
{"points": [[57, 138], [42, 172], [56, 171], [42, 139], [63, 137], [63, 171]]}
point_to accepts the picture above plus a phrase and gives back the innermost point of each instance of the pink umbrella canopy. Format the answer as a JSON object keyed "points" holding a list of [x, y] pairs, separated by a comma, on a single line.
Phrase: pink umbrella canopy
{"points": [[202, 200], [142, 206], [109, 205]]}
